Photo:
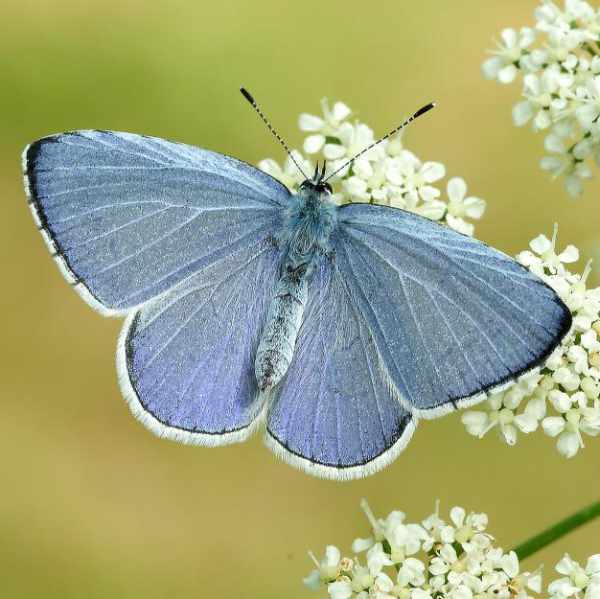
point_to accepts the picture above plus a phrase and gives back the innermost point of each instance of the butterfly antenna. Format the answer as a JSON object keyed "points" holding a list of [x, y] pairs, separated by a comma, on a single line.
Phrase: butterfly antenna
{"points": [[265, 120], [410, 119]]}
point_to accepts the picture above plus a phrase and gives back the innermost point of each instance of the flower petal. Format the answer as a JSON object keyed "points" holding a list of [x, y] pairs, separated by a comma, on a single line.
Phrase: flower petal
{"points": [[457, 189], [475, 207], [310, 122], [334, 151], [541, 244], [433, 171], [570, 254], [507, 74], [553, 425], [522, 113], [491, 67], [341, 589], [509, 37], [314, 143], [340, 111]]}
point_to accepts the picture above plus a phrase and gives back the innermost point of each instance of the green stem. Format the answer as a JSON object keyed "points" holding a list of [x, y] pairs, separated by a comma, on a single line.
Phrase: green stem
{"points": [[558, 530]]}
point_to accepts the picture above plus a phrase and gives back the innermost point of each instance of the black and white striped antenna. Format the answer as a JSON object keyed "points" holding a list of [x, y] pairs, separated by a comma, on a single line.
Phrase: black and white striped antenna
{"points": [[410, 119], [265, 120]]}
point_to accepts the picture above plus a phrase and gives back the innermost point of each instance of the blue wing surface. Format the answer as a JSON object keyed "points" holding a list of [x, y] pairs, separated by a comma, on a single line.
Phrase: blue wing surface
{"points": [[186, 359], [451, 317], [127, 217], [334, 414]]}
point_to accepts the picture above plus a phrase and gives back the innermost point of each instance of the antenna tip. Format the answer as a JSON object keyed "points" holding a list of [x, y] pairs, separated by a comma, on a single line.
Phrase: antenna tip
{"points": [[425, 109], [247, 95]]}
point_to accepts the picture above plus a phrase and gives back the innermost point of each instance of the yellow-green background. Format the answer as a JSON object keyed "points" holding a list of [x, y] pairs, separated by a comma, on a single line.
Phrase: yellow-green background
{"points": [[91, 504]]}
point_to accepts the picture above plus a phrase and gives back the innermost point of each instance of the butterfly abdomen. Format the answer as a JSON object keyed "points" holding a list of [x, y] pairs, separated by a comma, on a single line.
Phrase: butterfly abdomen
{"points": [[284, 318], [305, 235]]}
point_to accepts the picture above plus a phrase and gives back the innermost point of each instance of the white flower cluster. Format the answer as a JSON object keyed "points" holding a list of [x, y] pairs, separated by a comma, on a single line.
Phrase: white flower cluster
{"points": [[564, 395], [577, 582], [388, 174], [559, 60], [432, 559]]}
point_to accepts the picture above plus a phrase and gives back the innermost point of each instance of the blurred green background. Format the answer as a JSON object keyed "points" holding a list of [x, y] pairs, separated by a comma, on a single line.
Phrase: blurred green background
{"points": [[91, 504]]}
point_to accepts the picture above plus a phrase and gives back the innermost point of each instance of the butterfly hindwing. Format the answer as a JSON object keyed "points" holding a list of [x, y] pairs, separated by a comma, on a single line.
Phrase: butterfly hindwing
{"points": [[334, 414], [451, 317], [186, 360], [127, 216]]}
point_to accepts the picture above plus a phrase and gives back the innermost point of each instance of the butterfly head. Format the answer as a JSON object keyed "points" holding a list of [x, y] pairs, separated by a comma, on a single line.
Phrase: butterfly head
{"points": [[317, 184]]}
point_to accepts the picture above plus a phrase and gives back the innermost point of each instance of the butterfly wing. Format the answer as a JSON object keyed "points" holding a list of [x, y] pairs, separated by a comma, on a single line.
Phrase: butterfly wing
{"points": [[178, 237], [127, 217], [186, 359], [451, 317], [334, 415]]}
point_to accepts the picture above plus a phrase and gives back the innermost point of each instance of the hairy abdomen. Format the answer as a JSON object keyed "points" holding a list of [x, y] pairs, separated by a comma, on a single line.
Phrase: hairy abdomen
{"points": [[278, 340]]}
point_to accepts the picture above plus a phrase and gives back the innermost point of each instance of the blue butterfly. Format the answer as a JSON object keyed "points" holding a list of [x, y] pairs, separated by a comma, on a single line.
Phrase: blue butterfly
{"points": [[335, 328]]}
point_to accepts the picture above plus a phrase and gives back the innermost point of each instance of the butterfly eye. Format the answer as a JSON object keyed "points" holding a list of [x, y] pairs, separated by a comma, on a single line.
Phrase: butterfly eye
{"points": [[328, 188]]}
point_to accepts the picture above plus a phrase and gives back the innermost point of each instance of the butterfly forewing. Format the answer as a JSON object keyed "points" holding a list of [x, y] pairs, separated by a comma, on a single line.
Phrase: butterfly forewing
{"points": [[129, 217], [451, 317]]}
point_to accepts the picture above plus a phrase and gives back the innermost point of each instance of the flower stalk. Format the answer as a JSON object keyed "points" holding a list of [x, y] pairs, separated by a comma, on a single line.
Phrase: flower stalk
{"points": [[557, 531]]}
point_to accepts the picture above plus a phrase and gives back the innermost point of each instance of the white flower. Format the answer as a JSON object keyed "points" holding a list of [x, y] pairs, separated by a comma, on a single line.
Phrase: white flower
{"points": [[503, 64], [558, 24], [377, 559], [352, 139], [467, 526], [443, 562], [453, 560], [461, 207], [542, 96], [340, 589], [327, 569], [564, 163], [370, 181], [565, 396], [404, 540], [543, 255], [589, 109], [386, 174], [382, 587], [412, 572], [525, 581], [289, 175], [560, 64], [478, 423], [577, 581], [322, 127], [420, 594], [414, 178]]}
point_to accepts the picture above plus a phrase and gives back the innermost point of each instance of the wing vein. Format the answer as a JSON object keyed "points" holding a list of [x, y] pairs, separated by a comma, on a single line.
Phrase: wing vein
{"points": [[467, 274], [419, 330], [490, 342]]}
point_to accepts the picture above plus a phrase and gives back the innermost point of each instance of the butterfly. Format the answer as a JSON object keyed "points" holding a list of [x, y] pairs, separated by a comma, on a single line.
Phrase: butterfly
{"points": [[334, 328]]}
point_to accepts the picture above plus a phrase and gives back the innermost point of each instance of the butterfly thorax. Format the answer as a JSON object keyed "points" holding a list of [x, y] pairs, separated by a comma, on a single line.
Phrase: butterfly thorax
{"points": [[304, 236], [307, 227]]}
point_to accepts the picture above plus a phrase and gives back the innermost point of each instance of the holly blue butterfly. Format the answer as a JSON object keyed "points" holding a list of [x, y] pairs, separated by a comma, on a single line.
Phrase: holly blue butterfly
{"points": [[334, 328]]}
